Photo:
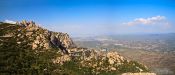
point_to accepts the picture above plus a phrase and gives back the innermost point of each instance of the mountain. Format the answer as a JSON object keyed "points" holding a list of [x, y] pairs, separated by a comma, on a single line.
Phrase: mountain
{"points": [[27, 48]]}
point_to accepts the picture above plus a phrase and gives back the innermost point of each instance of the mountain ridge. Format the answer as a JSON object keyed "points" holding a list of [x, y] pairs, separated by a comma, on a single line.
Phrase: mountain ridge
{"points": [[40, 40]]}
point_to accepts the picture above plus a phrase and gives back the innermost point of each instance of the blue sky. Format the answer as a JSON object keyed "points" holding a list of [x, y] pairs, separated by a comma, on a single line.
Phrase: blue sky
{"points": [[94, 17]]}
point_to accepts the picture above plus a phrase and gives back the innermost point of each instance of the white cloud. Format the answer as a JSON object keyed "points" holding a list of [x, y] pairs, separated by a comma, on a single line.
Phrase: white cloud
{"points": [[10, 21], [148, 21]]}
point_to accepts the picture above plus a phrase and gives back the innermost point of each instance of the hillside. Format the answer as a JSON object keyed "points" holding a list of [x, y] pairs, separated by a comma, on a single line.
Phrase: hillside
{"points": [[27, 48]]}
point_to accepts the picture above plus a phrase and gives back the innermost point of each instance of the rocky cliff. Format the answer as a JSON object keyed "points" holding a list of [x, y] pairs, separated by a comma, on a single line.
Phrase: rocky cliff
{"points": [[68, 55], [45, 39]]}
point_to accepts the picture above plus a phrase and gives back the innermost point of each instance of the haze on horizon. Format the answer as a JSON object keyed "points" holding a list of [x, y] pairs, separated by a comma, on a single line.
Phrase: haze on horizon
{"points": [[94, 17]]}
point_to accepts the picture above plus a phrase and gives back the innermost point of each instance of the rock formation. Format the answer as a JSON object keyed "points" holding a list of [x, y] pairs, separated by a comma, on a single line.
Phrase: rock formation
{"points": [[43, 38]]}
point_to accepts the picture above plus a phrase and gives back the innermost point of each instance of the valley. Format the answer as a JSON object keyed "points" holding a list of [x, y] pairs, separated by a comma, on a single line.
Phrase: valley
{"points": [[154, 50]]}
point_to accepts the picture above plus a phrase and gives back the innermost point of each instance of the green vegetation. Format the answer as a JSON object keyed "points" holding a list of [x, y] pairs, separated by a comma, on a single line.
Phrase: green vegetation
{"points": [[132, 66], [20, 58], [74, 68], [7, 28]]}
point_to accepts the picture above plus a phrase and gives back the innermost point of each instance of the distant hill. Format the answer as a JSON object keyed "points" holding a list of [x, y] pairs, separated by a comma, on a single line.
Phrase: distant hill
{"points": [[26, 48]]}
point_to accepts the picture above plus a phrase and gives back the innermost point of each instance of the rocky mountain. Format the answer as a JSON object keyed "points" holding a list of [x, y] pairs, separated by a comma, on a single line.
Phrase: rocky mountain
{"points": [[59, 49], [45, 38]]}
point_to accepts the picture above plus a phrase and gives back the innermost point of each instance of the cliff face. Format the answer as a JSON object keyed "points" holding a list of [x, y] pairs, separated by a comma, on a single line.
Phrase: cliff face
{"points": [[45, 39]]}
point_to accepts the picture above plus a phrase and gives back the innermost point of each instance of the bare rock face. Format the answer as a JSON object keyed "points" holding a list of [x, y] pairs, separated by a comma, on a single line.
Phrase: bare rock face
{"points": [[61, 39], [62, 59], [45, 39], [114, 57]]}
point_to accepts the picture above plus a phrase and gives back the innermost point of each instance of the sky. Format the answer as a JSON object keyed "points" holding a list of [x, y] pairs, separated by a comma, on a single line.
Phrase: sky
{"points": [[94, 17]]}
